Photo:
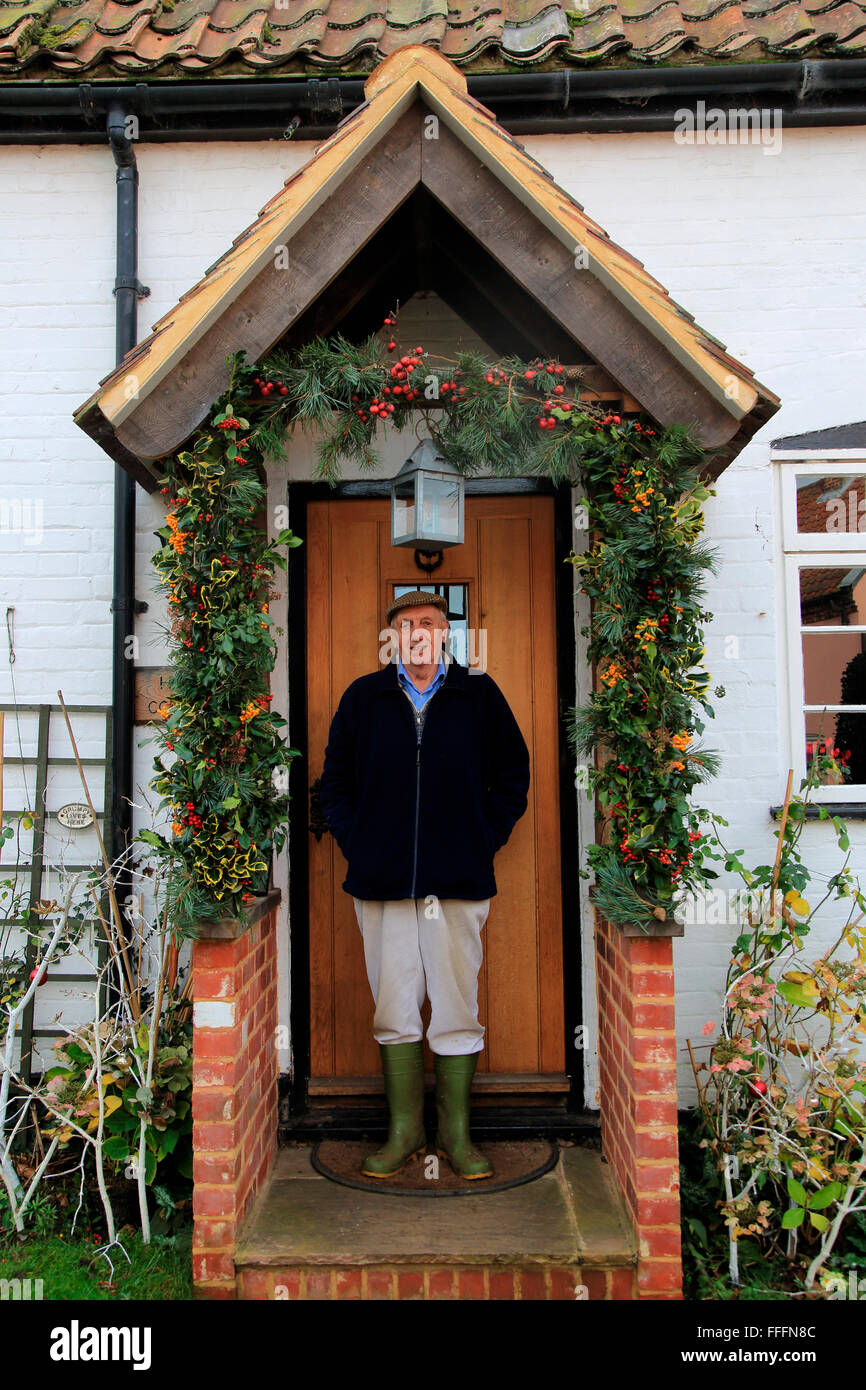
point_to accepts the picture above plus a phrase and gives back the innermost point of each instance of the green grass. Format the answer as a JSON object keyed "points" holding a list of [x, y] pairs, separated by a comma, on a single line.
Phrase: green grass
{"points": [[70, 1268]]}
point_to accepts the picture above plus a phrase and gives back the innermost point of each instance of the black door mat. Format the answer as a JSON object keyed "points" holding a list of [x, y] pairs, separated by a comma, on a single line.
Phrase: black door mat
{"points": [[514, 1163]]}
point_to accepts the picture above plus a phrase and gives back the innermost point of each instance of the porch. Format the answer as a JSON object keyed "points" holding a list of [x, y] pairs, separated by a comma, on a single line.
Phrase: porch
{"points": [[564, 1236], [599, 1225]]}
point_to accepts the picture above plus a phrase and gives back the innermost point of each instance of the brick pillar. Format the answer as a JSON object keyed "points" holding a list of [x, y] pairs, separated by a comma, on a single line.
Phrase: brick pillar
{"points": [[637, 1058], [234, 1095]]}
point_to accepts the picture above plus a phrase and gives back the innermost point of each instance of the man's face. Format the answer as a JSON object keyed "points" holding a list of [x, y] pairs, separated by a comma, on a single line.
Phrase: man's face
{"points": [[422, 632]]}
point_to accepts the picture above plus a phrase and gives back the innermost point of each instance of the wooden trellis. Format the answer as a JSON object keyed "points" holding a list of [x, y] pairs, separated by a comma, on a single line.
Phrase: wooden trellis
{"points": [[36, 868]]}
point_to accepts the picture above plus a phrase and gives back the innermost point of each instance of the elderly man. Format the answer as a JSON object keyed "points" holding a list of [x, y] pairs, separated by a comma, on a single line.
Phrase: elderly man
{"points": [[426, 773]]}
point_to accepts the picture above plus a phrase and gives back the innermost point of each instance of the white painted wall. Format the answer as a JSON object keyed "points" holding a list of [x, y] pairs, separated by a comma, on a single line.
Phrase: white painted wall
{"points": [[766, 250]]}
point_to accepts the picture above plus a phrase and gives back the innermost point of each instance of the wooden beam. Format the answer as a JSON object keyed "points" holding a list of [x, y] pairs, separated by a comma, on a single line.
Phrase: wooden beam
{"points": [[575, 298], [273, 301]]}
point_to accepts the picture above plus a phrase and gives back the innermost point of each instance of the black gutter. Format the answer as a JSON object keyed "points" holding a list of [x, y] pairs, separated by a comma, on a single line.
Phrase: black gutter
{"points": [[809, 92], [127, 291]]}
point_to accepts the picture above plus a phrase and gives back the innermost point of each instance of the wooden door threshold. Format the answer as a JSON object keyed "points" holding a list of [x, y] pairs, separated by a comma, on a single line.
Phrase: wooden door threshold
{"points": [[484, 1083]]}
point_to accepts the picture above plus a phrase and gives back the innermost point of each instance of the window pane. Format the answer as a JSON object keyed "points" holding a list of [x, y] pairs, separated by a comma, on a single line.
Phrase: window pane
{"points": [[843, 739], [832, 597], [834, 668], [834, 504], [458, 621]]}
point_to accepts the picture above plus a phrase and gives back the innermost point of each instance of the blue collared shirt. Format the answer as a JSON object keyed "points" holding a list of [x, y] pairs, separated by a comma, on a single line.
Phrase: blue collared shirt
{"points": [[420, 697]]}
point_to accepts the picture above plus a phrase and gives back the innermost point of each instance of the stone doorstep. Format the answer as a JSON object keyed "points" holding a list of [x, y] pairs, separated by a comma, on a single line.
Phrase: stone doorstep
{"points": [[571, 1217]]}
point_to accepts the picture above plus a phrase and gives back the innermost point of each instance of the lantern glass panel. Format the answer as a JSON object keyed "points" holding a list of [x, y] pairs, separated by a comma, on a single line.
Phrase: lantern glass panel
{"points": [[403, 511], [439, 507]]}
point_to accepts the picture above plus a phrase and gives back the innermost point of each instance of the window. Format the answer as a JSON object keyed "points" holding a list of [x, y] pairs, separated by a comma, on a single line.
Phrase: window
{"points": [[824, 540]]}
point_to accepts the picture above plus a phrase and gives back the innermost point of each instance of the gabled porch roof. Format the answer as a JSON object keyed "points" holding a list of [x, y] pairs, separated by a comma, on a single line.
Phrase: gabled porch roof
{"points": [[599, 295]]}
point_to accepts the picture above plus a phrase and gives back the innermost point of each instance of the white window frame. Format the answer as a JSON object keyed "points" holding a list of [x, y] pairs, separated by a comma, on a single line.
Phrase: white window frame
{"points": [[810, 550]]}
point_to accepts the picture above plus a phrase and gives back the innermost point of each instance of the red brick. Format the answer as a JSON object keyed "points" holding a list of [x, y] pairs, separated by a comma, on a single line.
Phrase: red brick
{"points": [[213, 1169], [219, 1235], [563, 1283], [596, 1284], [662, 1241], [470, 1284], [214, 1138], [655, 1144], [654, 1047], [215, 984], [214, 1292], [318, 1284], [501, 1283], [441, 1283], [655, 951], [213, 1201], [287, 1284], [655, 1110], [224, 1043], [652, 1015], [657, 1210], [380, 1283], [622, 1283], [410, 1285], [347, 1283], [532, 1285], [212, 1266], [654, 1080], [661, 1178], [218, 955], [254, 1284], [213, 1104], [654, 983], [222, 1073], [659, 1275]]}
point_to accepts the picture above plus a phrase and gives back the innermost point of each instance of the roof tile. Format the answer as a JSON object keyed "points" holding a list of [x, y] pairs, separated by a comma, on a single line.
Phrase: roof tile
{"points": [[104, 37]]}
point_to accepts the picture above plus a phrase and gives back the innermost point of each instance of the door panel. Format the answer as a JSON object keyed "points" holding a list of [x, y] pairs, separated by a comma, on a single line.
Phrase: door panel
{"points": [[506, 564]]}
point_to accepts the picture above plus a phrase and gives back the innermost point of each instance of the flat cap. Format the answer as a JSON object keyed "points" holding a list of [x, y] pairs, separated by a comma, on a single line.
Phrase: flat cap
{"points": [[416, 599]]}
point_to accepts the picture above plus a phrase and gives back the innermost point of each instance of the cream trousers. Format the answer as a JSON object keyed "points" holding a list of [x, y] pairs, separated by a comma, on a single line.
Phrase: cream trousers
{"points": [[416, 945]]}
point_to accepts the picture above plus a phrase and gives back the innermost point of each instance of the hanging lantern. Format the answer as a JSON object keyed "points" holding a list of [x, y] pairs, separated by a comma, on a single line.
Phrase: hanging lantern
{"points": [[427, 500]]}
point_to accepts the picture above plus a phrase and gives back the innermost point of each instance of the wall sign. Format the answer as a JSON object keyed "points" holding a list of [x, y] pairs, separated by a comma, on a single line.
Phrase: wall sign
{"points": [[75, 816], [151, 691]]}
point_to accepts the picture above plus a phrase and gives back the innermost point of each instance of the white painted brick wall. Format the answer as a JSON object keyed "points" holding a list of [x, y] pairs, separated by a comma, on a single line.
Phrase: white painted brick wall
{"points": [[765, 251]]}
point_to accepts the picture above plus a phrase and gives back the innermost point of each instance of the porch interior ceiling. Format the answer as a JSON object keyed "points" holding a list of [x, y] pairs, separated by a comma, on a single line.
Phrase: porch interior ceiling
{"points": [[381, 211], [423, 248]]}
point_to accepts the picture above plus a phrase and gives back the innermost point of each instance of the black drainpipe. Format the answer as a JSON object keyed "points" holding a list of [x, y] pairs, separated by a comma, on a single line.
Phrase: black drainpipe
{"points": [[121, 126]]}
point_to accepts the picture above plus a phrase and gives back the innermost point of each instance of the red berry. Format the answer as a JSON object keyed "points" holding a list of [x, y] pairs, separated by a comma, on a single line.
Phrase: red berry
{"points": [[391, 346], [558, 390]]}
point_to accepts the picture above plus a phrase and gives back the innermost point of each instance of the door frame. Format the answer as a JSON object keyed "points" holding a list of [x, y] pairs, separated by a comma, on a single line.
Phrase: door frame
{"points": [[297, 1119]]}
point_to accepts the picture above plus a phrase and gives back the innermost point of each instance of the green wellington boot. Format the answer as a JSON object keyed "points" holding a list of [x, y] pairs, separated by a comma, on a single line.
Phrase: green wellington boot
{"points": [[453, 1080], [403, 1069]]}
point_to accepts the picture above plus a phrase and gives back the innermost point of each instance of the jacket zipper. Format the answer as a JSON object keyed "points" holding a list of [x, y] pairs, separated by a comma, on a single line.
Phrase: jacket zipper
{"points": [[419, 729]]}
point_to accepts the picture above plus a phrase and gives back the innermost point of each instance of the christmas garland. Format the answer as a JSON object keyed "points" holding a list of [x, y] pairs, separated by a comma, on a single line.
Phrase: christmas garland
{"points": [[643, 571], [226, 785]]}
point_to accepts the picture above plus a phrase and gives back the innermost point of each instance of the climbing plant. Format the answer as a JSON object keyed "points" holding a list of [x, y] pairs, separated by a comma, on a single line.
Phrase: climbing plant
{"points": [[644, 568]]}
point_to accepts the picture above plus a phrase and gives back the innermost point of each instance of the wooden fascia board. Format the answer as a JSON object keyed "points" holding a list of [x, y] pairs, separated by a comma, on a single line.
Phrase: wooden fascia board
{"points": [[277, 297], [116, 403], [442, 101], [101, 431], [580, 303]]}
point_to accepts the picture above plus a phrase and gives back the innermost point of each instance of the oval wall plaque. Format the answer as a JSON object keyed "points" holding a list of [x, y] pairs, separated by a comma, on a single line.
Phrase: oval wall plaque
{"points": [[76, 815]]}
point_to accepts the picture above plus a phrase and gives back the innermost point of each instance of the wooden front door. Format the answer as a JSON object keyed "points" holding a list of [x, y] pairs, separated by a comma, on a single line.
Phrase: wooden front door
{"points": [[500, 588]]}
